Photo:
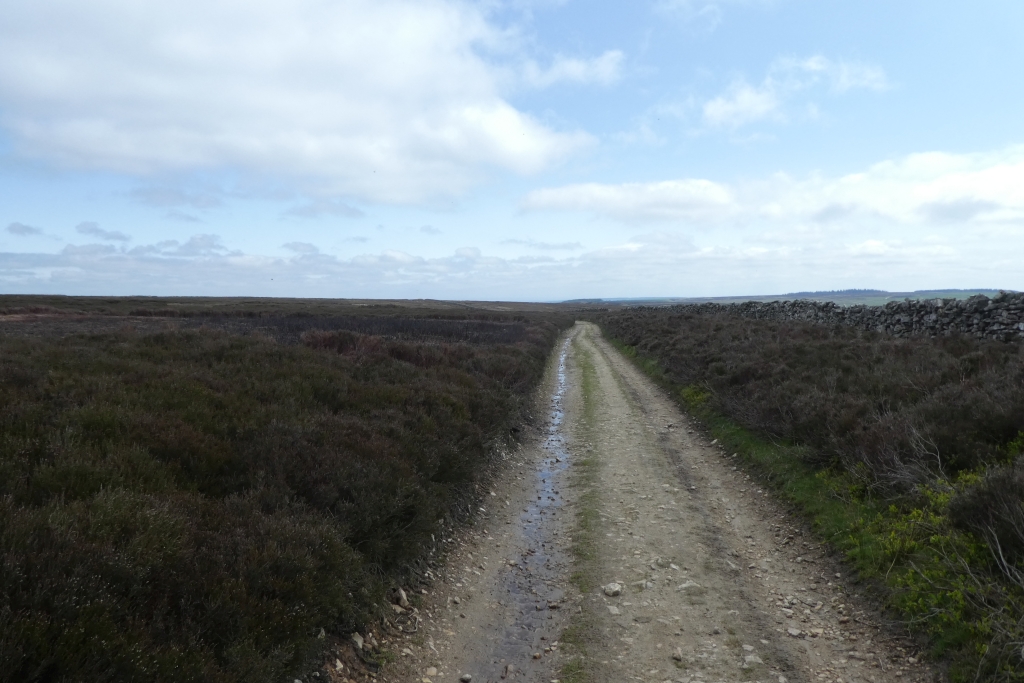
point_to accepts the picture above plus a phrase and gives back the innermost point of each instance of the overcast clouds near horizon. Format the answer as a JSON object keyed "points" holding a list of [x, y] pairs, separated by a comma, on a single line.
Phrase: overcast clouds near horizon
{"points": [[515, 150]]}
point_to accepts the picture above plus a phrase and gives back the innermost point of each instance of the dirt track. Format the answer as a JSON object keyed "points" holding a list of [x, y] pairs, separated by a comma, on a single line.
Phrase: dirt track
{"points": [[718, 582]]}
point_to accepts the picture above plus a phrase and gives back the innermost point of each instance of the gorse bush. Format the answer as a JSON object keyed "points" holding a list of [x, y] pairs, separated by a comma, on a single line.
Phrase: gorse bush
{"points": [[198, 505], [917, 444]]}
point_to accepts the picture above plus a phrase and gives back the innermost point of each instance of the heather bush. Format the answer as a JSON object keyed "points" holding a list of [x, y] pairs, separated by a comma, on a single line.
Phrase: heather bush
{"points": [[907, 453], [897, 412], [197, 504]]}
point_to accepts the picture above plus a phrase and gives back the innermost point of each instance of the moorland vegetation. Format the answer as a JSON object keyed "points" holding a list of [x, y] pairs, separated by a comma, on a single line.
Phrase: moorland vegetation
{"points": [[907, 453], [208, 499]]}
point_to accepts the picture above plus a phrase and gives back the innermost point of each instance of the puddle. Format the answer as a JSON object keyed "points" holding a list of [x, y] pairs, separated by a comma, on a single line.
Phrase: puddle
{"points": [[533, 585]]}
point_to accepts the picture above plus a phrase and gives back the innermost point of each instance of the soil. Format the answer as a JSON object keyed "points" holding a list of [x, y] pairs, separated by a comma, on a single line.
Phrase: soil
{"points": [[719, 582]]}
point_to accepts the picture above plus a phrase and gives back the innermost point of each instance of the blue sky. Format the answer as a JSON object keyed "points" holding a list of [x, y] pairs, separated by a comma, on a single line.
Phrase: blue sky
{"points": [[515, 150]]}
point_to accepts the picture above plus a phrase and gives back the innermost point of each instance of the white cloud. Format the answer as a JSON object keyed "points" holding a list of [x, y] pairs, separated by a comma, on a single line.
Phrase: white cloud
{"points": [[469, 253], [847, 76], [692, 200], [742, 103], [788, 73], [926, 188], [198, 246], [662, 263], [386, 100], [920, 189], [545, 246], [703, 14], [957, 210], [926, 220], [603, 70]]}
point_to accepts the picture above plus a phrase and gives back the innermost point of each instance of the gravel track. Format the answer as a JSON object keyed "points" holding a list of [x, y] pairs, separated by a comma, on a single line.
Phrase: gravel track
{"points": [[718, 581]]}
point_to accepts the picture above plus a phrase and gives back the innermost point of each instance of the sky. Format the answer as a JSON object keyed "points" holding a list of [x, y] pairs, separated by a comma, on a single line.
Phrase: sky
{"points": [[530, 150]]}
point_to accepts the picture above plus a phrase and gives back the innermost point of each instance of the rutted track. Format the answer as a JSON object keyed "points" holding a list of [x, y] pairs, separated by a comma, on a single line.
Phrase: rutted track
{"points": [[719, 584]]}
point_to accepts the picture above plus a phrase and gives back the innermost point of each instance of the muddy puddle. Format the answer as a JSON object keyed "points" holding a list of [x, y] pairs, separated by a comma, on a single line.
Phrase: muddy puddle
{"points": [[534, 578]]}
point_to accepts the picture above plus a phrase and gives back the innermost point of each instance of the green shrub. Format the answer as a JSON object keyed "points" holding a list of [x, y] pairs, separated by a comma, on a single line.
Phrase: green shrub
{"points": [[694, 397]]}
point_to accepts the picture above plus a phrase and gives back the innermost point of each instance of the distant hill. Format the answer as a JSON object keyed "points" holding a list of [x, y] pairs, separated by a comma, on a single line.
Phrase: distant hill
{"points": [[843, 297]]}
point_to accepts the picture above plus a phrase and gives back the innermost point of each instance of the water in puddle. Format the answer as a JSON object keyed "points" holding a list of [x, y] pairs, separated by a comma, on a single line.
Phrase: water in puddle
{"points": [[531, 585]]}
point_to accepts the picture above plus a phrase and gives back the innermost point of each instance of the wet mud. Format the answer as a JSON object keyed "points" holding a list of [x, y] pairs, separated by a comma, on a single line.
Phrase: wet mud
{"points": [[533, 584]]}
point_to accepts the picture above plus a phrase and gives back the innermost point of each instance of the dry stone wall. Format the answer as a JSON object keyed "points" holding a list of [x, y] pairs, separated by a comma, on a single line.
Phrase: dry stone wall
{"points": [[1000, 318]]}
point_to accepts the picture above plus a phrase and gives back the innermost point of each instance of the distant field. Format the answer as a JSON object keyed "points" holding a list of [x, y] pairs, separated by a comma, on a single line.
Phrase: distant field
{"points": [[850, 297], [192, 489]]}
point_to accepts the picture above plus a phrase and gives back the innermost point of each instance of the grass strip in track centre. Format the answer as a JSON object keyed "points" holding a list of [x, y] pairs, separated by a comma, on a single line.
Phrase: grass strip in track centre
{"points": [[581, 632], [906, 551]]}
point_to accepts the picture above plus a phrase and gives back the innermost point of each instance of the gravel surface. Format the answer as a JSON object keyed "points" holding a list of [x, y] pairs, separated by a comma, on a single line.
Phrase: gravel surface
{"points": [[716, 581]]}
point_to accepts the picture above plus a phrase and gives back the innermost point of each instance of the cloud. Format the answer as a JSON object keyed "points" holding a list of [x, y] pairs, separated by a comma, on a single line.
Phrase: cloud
{"points": [[380, 100], [742, 103], [956, 211], [302, 248], [931, 188], [175, 197], [90, 228], [693, 200], [546, 246], [661, 263], [848, 76], [603, 70], [22, 230], [702, 14], [198, 246], [471, 253], [833, 212], [927, 220], [430, 230], [840, 76], [181, 217], [322, 207], [88, 250]]}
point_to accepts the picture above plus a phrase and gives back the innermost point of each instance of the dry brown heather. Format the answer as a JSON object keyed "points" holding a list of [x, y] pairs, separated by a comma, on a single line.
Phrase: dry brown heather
{"points": [[196, 500], [906, 452]]}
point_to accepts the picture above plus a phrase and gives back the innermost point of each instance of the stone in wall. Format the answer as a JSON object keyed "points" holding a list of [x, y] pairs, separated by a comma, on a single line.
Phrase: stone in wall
{"points": [[1000, 318]]}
